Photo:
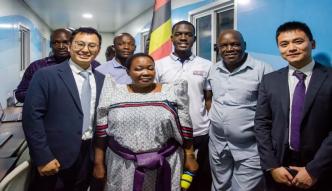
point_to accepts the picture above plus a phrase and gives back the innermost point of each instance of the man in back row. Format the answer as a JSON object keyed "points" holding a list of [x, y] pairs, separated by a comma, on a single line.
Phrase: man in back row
{"points": [[59, 44], [124, 47], [183, 64]]}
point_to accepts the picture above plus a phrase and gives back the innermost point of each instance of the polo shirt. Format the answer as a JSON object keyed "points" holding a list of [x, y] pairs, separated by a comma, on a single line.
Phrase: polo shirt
{"points": [[195, 71]]}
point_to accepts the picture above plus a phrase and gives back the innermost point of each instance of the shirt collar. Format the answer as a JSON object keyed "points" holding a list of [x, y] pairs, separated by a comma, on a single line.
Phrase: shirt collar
{"points": [[116, 64], [307, 69], [248, 63], [77, 69], [176, 58]]}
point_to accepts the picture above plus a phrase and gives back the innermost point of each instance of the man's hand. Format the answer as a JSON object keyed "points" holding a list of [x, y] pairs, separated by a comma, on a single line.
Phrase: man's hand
{"points": [[50, 168], [281, 175], [99, 171], [303, 178]]}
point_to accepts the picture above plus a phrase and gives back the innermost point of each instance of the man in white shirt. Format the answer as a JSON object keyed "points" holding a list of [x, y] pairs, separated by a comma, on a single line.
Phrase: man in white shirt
{"points": [[183, 64]]}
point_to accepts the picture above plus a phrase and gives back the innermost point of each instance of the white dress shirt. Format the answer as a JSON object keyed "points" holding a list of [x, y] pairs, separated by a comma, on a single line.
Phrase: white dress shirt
{"points": [[76, 69]]}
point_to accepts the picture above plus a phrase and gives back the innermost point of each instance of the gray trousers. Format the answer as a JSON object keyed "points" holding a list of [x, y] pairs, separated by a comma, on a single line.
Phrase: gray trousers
{"points": [[230, 175]]}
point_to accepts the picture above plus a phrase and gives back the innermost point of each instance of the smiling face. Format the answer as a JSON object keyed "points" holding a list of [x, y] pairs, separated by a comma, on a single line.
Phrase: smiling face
{"points": [[231, 47], [124, 46], [295, 47], [84, 49], [183, 38], [142, 71]]}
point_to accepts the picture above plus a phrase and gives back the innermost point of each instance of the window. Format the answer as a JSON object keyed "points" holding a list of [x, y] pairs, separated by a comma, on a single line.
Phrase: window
{"points": [[203, 27], [25, 46], [209, 21], [144, 41]]}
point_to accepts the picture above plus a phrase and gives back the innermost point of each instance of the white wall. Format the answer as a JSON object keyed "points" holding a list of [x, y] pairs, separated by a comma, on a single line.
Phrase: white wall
{"points": [[107, 39], [18, 7], [137, 25]]}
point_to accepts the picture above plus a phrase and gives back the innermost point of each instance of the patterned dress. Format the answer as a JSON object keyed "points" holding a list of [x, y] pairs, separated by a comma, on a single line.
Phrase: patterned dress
{"points": [[142, 123]]}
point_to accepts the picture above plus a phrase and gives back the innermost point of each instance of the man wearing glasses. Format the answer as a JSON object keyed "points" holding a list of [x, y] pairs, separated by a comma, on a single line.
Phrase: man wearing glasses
{"points": [[59, 45], [58, 115]]}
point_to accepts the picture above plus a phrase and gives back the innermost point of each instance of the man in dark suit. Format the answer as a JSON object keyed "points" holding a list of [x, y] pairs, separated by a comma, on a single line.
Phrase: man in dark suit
{"points": [[58, 115], [293, 120]]}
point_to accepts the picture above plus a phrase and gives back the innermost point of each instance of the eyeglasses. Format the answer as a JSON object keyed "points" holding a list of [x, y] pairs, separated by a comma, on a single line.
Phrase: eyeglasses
{"points": [[79, 45]]}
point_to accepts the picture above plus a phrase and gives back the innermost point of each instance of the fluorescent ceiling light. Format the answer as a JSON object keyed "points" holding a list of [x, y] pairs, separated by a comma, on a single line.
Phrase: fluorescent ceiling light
{"points": [[87, 15]]}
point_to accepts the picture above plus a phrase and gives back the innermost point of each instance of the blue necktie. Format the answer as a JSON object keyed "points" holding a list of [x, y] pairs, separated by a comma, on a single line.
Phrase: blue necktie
{"points": [[86, 100], [297, 109]]}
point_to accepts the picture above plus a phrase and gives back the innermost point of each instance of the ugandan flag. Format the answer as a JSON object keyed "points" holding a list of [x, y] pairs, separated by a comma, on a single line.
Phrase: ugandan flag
{"points": [[160, 33]]}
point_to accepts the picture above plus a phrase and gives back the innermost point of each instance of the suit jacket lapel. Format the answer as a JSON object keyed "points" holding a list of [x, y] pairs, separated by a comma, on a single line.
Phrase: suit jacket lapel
{"points": [[317, 78], [66, 75], [99, 84], [284, 91]]}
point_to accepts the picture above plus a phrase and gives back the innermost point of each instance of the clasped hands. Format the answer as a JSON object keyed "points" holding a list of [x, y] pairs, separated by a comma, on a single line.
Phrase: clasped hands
{"points": [[301, 180]]}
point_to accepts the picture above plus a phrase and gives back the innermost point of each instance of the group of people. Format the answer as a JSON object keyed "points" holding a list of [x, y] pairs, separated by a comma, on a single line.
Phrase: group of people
{"points": [[136, 124]]}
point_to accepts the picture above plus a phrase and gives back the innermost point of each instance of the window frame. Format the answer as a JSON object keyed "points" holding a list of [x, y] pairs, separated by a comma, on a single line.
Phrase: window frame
{"points": [[213, 9], [25, 36], [144, 35]]}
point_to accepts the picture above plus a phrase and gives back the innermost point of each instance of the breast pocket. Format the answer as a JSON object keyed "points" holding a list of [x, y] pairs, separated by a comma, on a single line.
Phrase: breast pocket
{"points": [[245, 94], [218, 88]]}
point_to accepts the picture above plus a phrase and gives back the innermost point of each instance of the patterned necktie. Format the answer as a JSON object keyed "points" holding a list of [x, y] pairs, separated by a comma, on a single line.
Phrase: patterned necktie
{"points": [[86, 100], [297, 109]]}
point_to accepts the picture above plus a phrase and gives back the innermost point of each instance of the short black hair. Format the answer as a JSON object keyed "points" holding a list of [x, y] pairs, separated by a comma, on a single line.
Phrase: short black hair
{"points": [[294, 25], [130, 60], [123, 34], [58, 31], [88, 30], [185, 23]]}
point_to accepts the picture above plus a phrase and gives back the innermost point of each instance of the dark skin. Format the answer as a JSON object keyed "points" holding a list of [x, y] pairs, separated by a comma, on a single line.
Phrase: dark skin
{"points": [[124, 47], [183, 38], [142, 71], [60, 43], [232, 48], [110, 53]]}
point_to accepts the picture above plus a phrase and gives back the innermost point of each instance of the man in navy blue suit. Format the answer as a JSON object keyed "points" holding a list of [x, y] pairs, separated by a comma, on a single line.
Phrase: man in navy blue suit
{"points": [[58, 115], [293, 120]]}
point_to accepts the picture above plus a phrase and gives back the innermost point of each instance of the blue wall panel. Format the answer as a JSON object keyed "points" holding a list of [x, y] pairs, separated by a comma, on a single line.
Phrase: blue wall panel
{"points": [[259, 19]]}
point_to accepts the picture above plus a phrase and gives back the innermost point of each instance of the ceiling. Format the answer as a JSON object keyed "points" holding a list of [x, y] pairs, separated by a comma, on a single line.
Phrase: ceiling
{"points": [[108, 15]]}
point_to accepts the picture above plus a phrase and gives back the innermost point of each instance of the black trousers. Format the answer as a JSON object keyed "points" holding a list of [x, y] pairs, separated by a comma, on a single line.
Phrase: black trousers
{"points": [[202, 180], [78, 177]]}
